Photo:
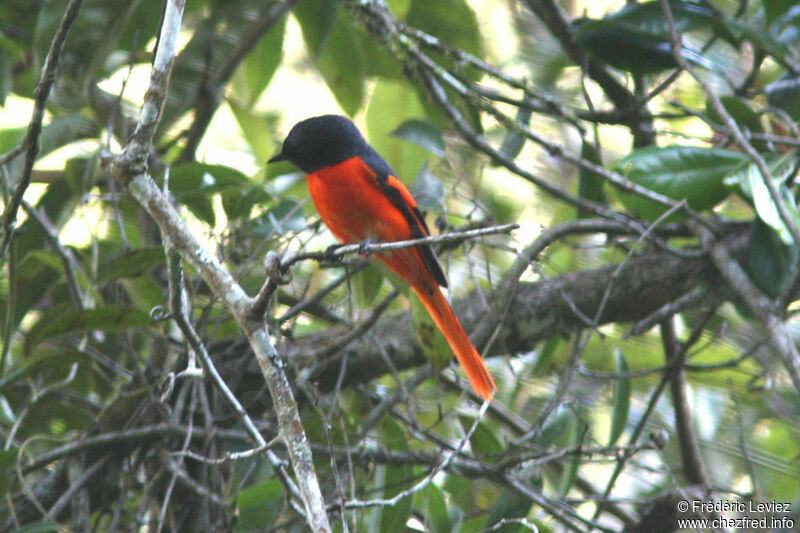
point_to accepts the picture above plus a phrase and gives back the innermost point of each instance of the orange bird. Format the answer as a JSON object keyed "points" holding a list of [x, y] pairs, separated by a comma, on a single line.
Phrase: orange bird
{"points": [[359, 198]]}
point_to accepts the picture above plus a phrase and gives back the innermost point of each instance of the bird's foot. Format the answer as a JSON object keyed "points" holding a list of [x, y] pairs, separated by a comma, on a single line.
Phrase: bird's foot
{"points": [[364, 247], [328, 254]]}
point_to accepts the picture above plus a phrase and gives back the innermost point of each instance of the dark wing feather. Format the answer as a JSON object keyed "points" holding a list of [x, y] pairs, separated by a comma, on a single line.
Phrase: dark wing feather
{"points": [[410, 212]]}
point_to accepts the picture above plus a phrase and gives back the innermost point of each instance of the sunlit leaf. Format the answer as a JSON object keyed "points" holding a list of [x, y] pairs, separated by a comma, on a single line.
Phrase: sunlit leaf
{"points": [[392, 103], [257, 69], [327, 31], [258, 128], [257, 504]]}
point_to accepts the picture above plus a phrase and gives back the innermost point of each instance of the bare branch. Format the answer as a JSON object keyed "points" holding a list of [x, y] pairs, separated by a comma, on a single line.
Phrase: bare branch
{"points": [[131, 167], [30, 144]]}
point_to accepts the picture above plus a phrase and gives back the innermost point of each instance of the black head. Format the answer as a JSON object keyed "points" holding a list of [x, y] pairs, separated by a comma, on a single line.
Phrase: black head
{"points": [[320, 142]]}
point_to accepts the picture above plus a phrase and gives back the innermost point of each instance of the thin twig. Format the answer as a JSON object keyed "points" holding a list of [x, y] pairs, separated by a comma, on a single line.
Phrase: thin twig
{"points": [[30, 144], [71, 265], [377, 248]]}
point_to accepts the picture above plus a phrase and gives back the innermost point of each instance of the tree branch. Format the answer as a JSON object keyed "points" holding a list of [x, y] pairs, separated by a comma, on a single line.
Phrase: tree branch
{"points": [[130, 166], [537, 311], [30, 144]]}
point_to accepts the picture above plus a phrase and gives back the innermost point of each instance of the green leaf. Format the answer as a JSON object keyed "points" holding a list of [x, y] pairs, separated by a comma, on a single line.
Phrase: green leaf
{"points": [[590, 184], [436, 516], [59, 132], [8, 458], [285, 216], [61, 320], [327, 31], [44, 526], [237, 202], [787, 26], [212, 41], [748, 181], [513, 141], [621, 399], [193, 184], [257, 504], [200, 205], [424, 133], [428, 190], [769, 262], [452, 21], [509, 505], [637, 37], [131, 264], [737, 31], [431, 340], [555, 426], [775, 8], [576, 431], [785, 94], [258, 128], [191, 177], [678, 172], [484, 442], [393, 103], [623, 48], [10, 138], [368, 284], [743, 113], [258, 68], [396, 478], [103, 27], [648, 17]]}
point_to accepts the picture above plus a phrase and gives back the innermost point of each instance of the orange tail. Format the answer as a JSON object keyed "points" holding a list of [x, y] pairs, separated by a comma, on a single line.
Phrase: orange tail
{"points": [[469, 358]]}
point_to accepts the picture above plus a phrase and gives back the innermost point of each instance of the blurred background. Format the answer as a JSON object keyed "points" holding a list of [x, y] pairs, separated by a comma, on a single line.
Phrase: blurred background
{"points": [[631, 373]]}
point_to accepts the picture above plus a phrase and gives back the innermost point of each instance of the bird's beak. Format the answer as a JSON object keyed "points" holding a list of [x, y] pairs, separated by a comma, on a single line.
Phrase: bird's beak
{"points": [[277, 157]]}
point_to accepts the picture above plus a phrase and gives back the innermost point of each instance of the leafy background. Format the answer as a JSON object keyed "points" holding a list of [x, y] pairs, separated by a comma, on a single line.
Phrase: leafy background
{"points": [[91, 410]]}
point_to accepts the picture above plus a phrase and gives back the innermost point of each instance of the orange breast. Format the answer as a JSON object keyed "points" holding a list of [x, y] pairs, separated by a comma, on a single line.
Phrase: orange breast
{"points": [[352, 204]]}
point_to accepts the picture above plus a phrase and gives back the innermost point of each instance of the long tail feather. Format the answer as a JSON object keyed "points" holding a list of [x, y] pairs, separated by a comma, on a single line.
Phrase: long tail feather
{"points": [[469, 358]]}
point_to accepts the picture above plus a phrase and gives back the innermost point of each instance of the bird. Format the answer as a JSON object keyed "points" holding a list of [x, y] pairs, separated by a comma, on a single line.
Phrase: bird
{"points": [[361, 200]]}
